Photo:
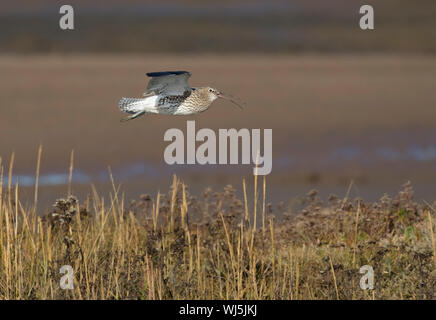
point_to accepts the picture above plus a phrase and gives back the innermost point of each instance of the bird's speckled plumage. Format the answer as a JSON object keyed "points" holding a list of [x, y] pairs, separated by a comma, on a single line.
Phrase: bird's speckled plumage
{"points": [[198, 101], [168, 92]]}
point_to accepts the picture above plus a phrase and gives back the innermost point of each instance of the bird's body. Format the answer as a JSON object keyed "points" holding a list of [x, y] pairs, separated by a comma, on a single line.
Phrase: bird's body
{"points": [[189, 103], [169, 93]]}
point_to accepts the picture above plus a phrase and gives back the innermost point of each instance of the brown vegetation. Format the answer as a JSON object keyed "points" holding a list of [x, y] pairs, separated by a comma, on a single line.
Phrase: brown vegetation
{"points": [[174, 246]]}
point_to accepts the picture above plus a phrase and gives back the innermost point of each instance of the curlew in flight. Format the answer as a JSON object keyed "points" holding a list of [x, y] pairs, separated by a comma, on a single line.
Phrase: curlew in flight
{"points": [[169, 93]]}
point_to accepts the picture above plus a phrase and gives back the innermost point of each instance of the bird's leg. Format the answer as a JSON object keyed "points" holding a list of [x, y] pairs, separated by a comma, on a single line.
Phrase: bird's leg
{"points": [[148, 94], [133, 116]]}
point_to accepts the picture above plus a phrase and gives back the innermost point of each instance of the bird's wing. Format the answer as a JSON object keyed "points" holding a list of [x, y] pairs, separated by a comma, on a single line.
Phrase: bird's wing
{"points": [[168, 83]]}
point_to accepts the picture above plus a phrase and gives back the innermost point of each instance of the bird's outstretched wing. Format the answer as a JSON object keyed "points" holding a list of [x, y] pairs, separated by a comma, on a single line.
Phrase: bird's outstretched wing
{"points": [[168, 83]]}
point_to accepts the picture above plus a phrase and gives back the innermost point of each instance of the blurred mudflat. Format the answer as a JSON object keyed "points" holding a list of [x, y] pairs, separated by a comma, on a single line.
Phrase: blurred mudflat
{"points": [[335, 119]]}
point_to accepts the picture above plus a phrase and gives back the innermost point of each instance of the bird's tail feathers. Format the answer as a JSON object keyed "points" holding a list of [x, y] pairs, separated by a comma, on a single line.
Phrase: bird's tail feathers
{"points": [[129, 105]]}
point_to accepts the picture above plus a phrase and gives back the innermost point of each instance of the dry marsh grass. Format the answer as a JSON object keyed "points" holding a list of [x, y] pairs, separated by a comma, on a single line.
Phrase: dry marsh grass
{"points": [[174, 246]]}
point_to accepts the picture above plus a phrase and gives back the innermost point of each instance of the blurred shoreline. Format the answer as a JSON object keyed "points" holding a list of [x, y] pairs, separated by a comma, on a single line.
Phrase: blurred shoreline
{"points": [[277, 26]]}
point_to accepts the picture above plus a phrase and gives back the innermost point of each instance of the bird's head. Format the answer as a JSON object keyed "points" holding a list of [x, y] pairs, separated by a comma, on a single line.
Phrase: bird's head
{"points": [[213, 94]]}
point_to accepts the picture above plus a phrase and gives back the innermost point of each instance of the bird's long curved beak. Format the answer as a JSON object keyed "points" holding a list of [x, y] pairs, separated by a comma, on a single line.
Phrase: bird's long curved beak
{"points": [[231, 99]]}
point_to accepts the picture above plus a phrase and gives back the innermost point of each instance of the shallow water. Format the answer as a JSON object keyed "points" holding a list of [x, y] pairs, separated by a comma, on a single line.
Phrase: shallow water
{"points": [[373, 156]]}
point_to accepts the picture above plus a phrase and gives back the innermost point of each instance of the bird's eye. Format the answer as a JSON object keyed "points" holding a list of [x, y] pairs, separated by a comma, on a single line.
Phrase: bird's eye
{"points": [[210, 90]]}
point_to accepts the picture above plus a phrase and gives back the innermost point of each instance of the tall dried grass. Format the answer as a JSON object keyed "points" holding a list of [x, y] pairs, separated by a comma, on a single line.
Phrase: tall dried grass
{"points": [[174, 246]]}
